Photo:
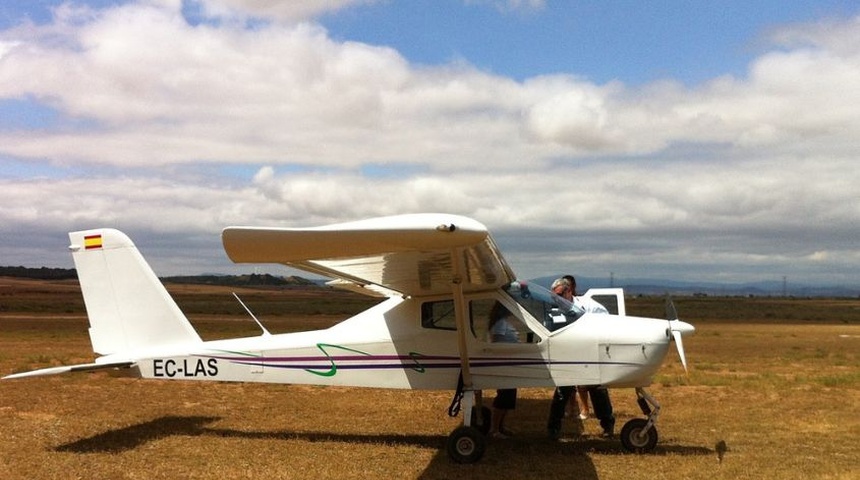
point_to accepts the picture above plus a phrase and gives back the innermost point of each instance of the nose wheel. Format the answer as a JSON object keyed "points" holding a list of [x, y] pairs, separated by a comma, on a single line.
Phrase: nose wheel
{"points": [[640, 434], [637, 437]]}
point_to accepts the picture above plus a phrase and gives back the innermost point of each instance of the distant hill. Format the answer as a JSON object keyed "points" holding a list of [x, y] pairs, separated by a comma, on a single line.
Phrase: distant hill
{"points": [[251, 280], [43, 273], [644, 286], [632, 286]]}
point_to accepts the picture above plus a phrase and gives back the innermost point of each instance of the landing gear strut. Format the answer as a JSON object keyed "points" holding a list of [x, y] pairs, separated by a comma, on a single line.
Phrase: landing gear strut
{"points": [[640, 434]]}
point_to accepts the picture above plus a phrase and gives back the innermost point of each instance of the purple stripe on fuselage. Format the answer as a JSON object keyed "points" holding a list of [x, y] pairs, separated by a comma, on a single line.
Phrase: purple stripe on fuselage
{"points": [[413, 365], [372, 358]]}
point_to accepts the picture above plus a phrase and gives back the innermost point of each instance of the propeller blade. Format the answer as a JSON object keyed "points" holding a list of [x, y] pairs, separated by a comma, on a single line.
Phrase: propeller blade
{"points": [[676, 334], [678, 329], [671, 313]]}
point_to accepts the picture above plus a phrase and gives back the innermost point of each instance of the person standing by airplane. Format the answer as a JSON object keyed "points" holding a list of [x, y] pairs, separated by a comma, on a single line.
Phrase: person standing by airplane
{"points": [[565, 287], [502, 331]]}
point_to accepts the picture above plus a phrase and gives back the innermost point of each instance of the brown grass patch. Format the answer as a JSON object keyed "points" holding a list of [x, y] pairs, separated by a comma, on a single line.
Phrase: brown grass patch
{"points": [[783, 393]]}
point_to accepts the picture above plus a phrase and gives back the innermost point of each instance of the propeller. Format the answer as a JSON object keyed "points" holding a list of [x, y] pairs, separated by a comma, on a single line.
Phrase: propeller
{"points": [[677, 329]]}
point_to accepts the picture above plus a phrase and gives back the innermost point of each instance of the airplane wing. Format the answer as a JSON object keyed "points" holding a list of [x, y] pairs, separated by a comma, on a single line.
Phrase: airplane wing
{"points": [[403, 254]]}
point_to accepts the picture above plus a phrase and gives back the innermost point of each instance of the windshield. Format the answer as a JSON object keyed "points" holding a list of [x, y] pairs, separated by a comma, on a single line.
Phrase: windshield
{"points": [[553, 311]]}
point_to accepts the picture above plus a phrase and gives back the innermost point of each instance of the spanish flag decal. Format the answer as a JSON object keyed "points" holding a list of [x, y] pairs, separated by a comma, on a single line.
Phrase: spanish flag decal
{"points": [[92, 242]]}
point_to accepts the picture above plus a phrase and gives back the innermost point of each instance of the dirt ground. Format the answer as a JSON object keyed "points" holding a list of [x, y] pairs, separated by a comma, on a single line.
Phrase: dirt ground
{"points": [[776, 380]]}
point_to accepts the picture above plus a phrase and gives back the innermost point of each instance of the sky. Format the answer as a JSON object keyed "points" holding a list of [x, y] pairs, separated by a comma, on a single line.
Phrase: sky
{"points": [[679, 140]]}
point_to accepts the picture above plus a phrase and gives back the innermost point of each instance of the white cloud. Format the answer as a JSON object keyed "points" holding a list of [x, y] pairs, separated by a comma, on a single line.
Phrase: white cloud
{"points": [[163, 91], [511, 5], [284, 11], [755, 170], [834, 35]]}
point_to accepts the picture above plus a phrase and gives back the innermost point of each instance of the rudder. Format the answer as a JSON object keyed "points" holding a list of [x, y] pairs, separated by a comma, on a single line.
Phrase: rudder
{"points": [[127, 305]]}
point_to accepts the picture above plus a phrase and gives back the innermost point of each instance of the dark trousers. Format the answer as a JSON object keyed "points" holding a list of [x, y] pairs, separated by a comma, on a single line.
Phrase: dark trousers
{"points": [[506, 399], [602, 408], [599, 401], [556, 408]]}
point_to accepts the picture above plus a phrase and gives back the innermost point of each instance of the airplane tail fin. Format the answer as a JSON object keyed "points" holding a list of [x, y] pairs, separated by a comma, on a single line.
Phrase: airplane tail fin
{"points": [[127, 305]]}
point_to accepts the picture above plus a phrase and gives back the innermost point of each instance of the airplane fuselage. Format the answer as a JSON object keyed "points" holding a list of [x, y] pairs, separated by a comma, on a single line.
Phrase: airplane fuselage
{"points": [[376, 348]]}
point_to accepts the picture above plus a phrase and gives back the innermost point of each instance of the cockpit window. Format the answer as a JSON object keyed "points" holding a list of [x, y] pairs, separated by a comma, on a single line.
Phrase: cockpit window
{"points": [[482, 313], [553, 311], [438, 315]]}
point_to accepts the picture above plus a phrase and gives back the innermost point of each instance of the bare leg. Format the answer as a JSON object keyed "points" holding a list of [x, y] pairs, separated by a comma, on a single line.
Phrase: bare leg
{"points": [[583, 402], [498, 420]]}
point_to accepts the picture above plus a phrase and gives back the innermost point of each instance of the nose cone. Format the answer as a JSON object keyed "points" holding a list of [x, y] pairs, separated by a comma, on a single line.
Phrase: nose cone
{"points": [[683, 328]]}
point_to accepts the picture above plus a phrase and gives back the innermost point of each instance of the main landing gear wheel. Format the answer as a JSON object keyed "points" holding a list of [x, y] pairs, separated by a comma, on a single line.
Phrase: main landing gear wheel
{"points": [[635, 439], [466, 445]]}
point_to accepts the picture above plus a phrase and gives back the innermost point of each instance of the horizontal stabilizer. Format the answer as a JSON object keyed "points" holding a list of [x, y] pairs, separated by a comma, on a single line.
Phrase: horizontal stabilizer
{"points": [[85, 367]]}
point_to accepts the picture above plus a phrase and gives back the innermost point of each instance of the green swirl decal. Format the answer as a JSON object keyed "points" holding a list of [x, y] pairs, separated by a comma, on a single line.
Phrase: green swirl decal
{"points": [[333, 370], [418, 367]]}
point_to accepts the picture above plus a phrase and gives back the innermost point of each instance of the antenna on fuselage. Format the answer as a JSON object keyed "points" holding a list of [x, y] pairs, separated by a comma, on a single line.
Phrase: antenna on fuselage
{"points": [[265, 332]]}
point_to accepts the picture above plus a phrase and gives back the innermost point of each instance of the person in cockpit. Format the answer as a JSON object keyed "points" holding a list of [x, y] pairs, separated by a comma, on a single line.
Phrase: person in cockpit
{"points": [[569, 293]]}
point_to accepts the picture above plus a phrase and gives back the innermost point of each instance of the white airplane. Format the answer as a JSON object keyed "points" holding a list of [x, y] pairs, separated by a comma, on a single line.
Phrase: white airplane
{"points": [[441, 275]]}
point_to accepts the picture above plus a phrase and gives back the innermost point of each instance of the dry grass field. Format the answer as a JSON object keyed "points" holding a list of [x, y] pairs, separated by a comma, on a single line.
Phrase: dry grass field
{"points": [[776, 379]]}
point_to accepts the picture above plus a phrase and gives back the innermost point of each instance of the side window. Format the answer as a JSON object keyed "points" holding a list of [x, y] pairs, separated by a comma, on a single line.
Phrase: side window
{"points": [[479, 318], [608, 301], [438, 315], [514, 331]]}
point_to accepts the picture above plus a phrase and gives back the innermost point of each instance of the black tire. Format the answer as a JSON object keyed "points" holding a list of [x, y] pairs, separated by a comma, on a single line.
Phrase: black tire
{"points": [[486, 420], [632, 439], [466, 445]]}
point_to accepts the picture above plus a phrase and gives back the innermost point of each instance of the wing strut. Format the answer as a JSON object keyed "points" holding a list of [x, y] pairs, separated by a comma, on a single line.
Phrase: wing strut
{"points": [[460, 313]]}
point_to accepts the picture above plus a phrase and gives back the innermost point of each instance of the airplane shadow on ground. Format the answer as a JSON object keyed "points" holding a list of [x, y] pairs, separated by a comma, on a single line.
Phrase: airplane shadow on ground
{"points": [[129, 438], [134, 436], [530, 451]]}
